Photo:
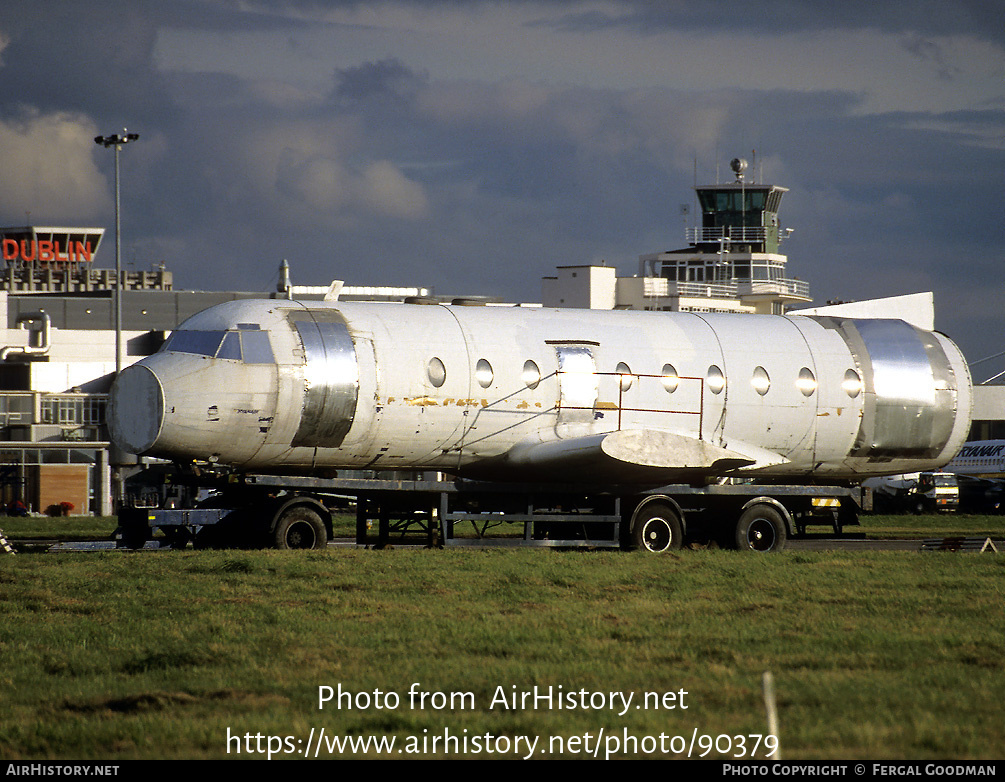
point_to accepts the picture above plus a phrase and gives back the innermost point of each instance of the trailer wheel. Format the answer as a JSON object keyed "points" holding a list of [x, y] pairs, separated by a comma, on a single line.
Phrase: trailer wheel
{"points": [[300, 528], [760, 528], [657, 528]]}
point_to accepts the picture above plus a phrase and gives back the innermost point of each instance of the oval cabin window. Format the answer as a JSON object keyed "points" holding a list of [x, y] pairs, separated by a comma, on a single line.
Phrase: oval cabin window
{"points": [[437, 372]]}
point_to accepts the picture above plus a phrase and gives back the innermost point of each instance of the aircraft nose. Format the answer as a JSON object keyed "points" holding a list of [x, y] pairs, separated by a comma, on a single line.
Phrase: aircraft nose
{"points": [[136, 409]]}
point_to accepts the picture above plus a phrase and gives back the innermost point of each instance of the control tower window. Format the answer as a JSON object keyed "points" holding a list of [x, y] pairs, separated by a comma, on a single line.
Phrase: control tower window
{"points": [[696, 273]]}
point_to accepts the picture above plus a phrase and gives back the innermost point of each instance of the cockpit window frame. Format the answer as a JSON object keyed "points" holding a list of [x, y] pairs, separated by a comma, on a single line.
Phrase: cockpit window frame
{"points": [[230, 348], [257, 348], [202, 342], [250, 346]]}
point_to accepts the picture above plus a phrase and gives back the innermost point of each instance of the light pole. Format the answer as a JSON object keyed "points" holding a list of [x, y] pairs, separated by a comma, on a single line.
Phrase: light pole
{"points": [[117, 140]]}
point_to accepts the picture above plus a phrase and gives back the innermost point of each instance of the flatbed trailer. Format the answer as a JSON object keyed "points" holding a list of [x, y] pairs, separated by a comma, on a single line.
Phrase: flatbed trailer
{"points": [[296, 512]]}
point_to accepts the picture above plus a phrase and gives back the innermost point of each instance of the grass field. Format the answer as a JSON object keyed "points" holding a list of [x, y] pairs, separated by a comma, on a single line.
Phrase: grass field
{"points": [[48, 528], [930, 526], [878, 655]]}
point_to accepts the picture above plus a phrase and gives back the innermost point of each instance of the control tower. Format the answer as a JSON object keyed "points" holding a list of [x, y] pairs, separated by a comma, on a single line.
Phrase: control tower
{"points": [[732, 256]]}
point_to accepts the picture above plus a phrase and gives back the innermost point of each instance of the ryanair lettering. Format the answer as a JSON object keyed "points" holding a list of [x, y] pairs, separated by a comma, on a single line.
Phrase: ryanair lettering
{"points": [[981, 451]]}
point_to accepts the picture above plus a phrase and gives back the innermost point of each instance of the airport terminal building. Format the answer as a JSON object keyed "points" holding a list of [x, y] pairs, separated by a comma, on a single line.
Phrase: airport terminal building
{"points": [[58, 357]]}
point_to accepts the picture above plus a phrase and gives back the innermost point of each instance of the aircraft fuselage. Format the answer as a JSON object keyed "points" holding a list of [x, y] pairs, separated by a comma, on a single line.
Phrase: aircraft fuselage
{"points": [[507, 392]]}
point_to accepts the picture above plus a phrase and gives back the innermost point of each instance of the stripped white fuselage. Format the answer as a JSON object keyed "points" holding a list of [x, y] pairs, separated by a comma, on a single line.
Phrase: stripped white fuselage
{"points": [[564, 394]]}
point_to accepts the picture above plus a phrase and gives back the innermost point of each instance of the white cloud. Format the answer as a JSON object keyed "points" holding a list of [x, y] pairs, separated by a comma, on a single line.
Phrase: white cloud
{"points": [[318, 173], [49, 169], [327, 187], [318, 182], [389, 192]]}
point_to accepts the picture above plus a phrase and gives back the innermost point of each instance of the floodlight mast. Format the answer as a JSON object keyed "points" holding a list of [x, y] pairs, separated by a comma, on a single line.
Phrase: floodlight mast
{"points": [[117, 141]]}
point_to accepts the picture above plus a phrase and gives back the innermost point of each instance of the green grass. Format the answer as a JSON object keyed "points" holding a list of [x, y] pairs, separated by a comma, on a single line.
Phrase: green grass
{"points": [[58, 528], [931, 526], [876, 655]]}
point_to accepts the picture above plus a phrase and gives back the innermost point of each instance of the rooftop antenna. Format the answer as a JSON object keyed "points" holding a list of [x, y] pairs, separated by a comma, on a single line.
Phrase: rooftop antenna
{"points": [[284, 286], [739, 165]]}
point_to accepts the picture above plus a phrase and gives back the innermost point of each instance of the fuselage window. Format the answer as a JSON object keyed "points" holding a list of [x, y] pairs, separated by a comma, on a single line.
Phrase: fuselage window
{"points": [[715, 379], [483, 373], [531, 374], [437, 372], [806, 382], [625, 372], [852, 383], [670, 378]]}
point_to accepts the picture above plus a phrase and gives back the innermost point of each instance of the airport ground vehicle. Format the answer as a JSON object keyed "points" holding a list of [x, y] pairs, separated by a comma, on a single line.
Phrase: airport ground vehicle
{"points": [[735, 427], [923, 492], [937, 491]]}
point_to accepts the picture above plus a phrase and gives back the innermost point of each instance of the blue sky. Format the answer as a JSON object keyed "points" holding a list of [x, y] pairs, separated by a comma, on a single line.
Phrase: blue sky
{"points": [[474, 146]]}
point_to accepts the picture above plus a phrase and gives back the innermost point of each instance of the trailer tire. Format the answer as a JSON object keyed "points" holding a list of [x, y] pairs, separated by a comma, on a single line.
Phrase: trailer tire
{"points": [[760, 528], [300, 528], [657, 528]]}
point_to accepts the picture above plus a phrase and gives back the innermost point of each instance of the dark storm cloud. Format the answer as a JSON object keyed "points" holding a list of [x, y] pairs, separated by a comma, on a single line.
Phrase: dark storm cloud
{"points": [[768, 16], [926, 49], [84, 57], [388, 79], [782, 16], [396, 164]]}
